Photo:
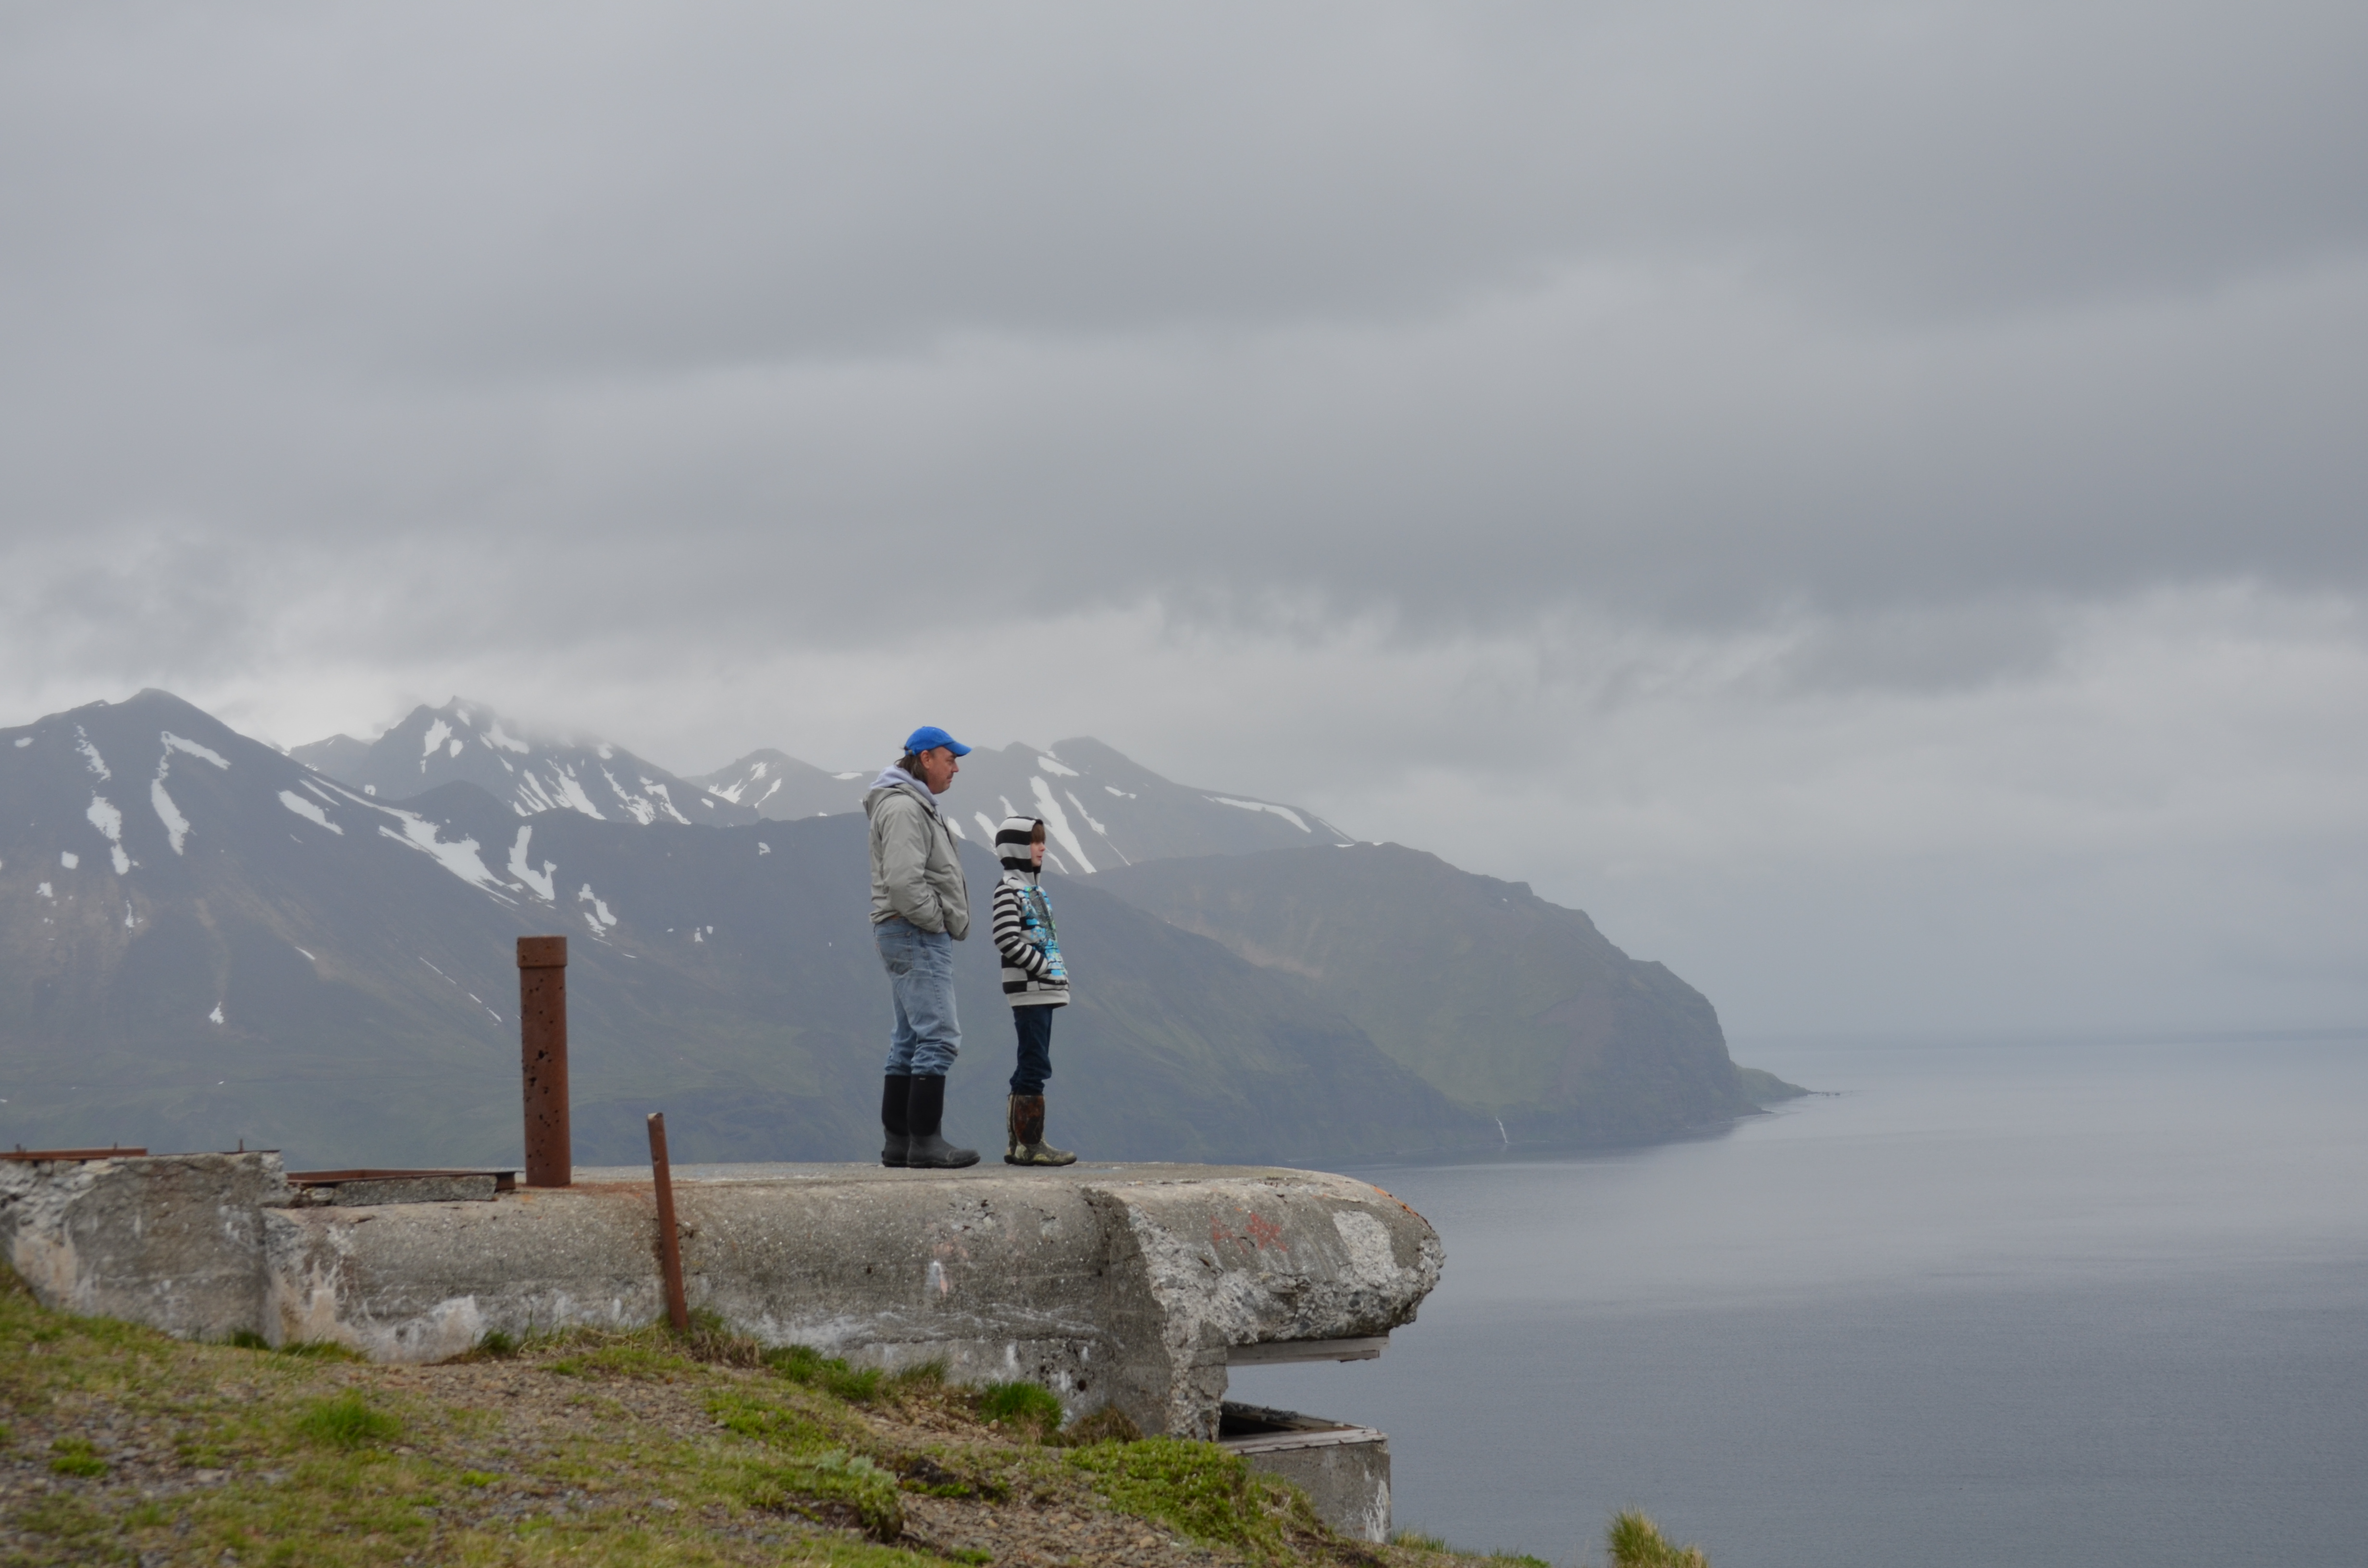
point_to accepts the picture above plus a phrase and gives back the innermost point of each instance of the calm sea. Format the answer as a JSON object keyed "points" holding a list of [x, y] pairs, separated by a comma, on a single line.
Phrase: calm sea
{"points": [[2006, 1304]]}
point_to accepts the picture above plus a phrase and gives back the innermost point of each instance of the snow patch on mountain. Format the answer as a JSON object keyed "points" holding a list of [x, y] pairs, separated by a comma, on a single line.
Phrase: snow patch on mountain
{"points": [[1056, 823], [104, 816], [572, 795], [598, 916], [1056, 766], [1283, 812], [176, 742], [177, 827], [538, 880], [309, 811], [461, 859], [90, 754]]}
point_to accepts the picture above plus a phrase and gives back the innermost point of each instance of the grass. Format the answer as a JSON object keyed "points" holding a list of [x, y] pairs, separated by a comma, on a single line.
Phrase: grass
{"points": [[348, 1422], [75, 1456], [1022, 1407], [1200, 1489], [1636, 1541], [608, 1449]]}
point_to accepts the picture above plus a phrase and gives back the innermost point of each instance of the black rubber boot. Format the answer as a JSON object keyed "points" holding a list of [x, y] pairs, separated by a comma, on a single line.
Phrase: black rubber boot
{"points": [[924, 1149], [894, 1099], [1024, 1137]]}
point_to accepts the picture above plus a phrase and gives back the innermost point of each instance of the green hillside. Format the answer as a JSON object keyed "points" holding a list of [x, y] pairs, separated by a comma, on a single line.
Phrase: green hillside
{"points": [[613, 1449]]}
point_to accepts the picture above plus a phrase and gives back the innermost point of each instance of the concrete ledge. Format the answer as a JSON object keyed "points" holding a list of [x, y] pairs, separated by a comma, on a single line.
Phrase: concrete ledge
{"points": [[1125, 1285], [172, 1241]]}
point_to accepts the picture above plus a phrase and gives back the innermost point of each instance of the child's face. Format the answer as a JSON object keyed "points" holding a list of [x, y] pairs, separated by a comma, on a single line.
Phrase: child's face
{"points": [[1036, 854]]}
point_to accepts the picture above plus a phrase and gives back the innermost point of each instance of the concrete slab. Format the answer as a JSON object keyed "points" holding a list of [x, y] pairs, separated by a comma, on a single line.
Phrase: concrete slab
{"points": [[172, 1241], [1124, 1285]]}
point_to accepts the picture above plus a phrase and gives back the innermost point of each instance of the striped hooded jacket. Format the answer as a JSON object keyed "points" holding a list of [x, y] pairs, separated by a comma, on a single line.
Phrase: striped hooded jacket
{"points": [[1033, 976]]}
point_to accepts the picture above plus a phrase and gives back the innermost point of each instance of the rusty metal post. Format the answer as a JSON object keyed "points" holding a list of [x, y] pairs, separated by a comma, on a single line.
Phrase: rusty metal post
{"points": [[669, 1239], [542, 1059]]}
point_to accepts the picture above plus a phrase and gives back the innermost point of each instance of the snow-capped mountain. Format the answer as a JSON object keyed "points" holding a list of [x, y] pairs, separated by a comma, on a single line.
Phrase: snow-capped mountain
{"points": [[776, 785], [1103, 808], [530, 773], [202, 939], [1100, 808]]}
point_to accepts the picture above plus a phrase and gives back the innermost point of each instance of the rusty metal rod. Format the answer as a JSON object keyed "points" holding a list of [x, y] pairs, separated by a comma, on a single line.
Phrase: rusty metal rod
{"points": [[669, 1241], [543, 1059]]}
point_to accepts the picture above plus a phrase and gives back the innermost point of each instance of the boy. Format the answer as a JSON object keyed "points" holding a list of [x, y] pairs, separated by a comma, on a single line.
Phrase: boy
{"points": [[1034, 982]]}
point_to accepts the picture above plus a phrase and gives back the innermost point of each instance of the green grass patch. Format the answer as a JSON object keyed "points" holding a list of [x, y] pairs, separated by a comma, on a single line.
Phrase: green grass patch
{"points": [[630, 1358], [323, 1350], [855, 1385], [754, 1457], [348, 1422], [1025, 1407], [768, 1421], [1199, 1489], [823, 1485], [1636, 1541], [75, 1456]]}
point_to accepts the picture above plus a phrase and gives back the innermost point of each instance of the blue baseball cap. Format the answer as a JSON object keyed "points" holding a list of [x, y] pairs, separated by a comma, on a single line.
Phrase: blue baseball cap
{"points": [[929, 737]]}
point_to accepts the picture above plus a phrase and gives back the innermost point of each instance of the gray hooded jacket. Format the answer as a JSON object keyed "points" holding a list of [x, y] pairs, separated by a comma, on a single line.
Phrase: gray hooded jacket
{"points": [[916, 871]]}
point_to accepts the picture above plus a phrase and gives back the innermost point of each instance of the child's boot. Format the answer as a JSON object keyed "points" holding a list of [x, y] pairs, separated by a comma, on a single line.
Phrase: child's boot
{"points": [[1026, 1135]]}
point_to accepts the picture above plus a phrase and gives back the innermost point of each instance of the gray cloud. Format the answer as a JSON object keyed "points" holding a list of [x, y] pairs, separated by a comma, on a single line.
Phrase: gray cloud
{"points": [[1632, 375]]}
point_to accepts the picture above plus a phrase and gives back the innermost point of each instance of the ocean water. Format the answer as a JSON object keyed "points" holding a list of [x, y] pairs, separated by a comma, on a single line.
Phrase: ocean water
{"points": [[1985, 1304]]}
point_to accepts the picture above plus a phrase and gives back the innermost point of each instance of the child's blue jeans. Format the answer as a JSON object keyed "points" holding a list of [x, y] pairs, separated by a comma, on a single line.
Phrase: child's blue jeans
{"points": [[1035, 1026]]}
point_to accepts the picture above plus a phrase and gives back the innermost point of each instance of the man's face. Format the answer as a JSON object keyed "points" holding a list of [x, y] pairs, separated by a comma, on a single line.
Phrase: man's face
{"points": [[938, 769], [1036, 854]]}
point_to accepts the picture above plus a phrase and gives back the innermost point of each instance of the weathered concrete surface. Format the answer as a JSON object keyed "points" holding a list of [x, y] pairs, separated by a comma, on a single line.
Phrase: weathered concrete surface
{"points": [[174, 1241], [1109, 1284], [1124, 1285], [1345, 1470]]}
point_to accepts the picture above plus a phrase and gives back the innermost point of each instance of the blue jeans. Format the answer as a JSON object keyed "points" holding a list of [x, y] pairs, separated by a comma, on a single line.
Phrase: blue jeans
{"points": [[920, 967], [1035, 1026]]}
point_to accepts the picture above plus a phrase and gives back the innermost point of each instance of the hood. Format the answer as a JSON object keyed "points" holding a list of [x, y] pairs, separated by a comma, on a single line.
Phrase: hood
{"points": [[1011, 843], [893, 778]]}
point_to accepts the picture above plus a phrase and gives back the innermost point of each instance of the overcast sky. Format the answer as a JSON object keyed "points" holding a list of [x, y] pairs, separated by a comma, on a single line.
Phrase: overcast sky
{"points": [[1865, 499]]}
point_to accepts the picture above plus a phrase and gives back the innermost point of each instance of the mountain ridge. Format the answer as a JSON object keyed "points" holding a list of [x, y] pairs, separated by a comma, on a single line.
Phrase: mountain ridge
{"points": [[1508, 1004], [286, 960], [516, 764]]}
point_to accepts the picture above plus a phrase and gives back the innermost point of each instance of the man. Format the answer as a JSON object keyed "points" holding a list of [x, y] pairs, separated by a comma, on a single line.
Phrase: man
{"points": [[921, 908]]}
